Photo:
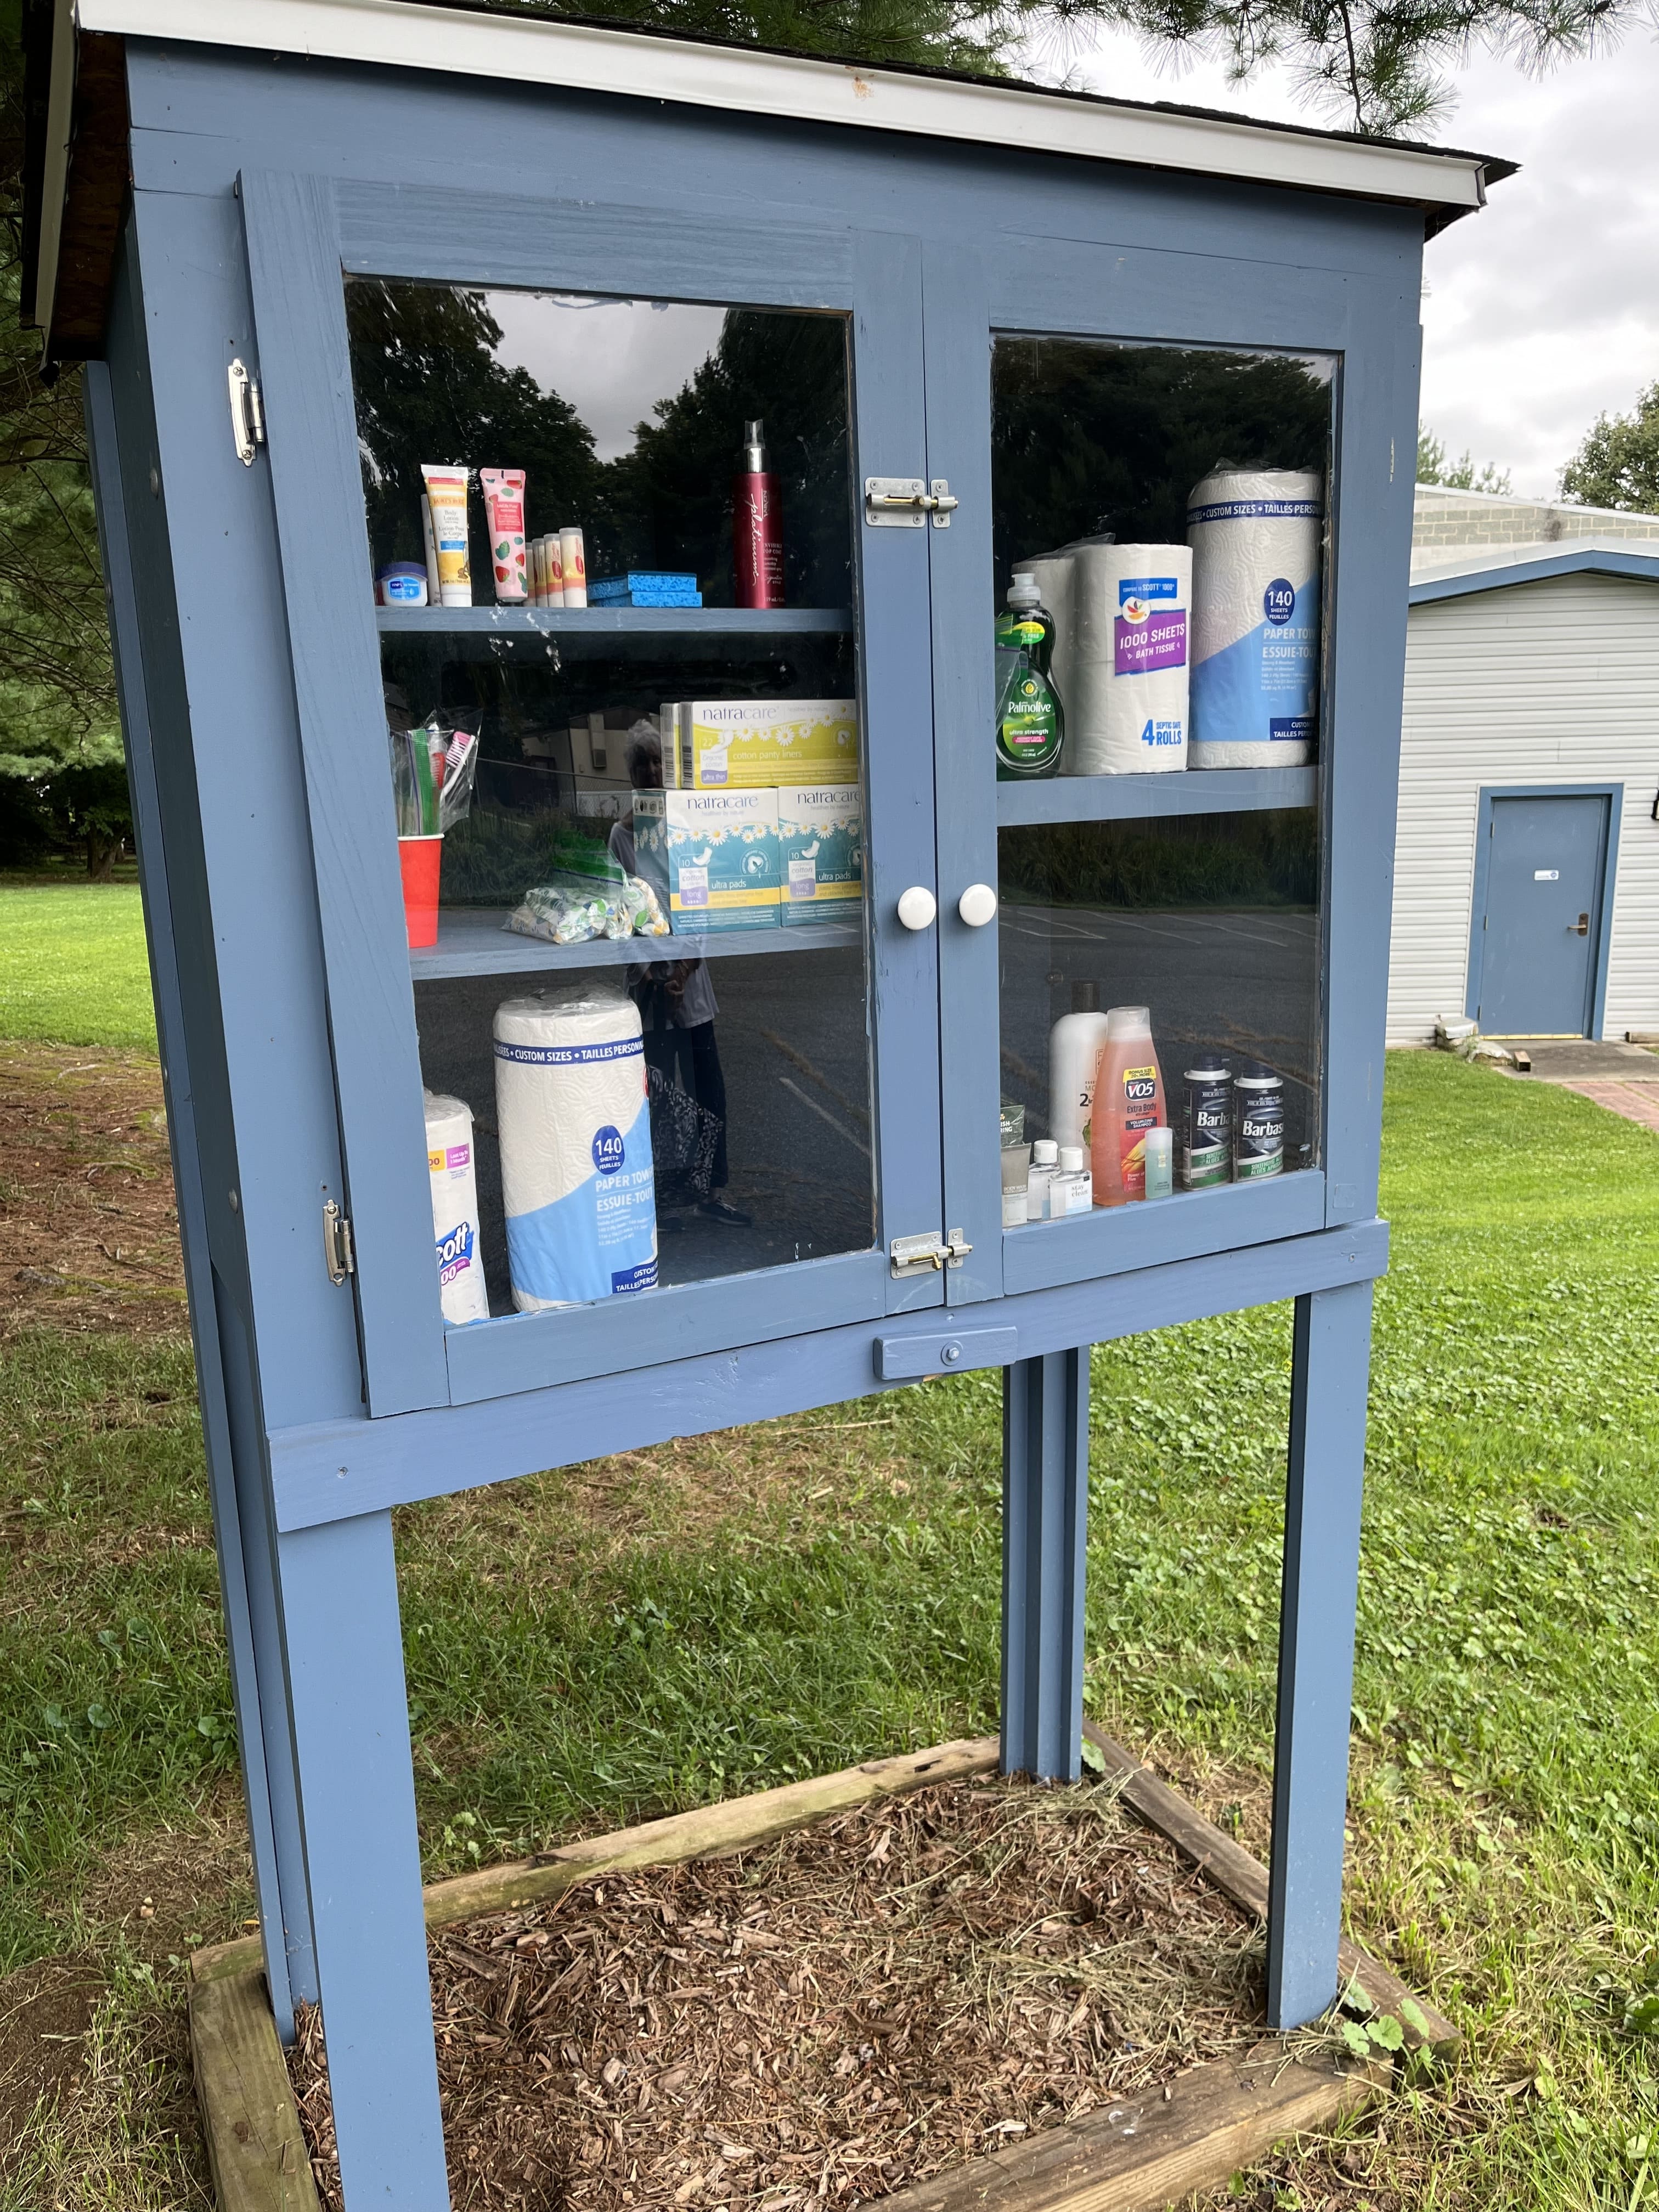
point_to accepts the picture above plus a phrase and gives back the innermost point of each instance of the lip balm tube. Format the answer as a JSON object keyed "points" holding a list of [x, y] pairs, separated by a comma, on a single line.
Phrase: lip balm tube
{"points": [[431, 545], [446, 490], [573, 566], [537, 552], [555, 570], [503, 492]]}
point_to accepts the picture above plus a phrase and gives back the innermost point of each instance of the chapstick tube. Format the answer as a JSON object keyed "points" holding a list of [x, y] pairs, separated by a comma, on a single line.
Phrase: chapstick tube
{"points": [[572, 560], [504, 491], [446, 492]]}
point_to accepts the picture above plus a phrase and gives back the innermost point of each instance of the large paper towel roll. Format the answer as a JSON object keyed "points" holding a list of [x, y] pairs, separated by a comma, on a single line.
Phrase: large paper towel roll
{"points": [[1255, 536], [1126, 714], [455, 1209], [577, 1179]]}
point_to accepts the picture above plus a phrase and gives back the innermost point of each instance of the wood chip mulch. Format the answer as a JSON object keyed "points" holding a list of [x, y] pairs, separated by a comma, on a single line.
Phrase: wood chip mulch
{"points": [[87, 1216], [833, 2016]]}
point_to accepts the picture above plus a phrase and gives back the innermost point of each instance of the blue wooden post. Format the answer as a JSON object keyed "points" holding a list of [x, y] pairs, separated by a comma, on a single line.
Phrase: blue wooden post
{"points": [[1045, 1512], [1332, 1361], [349, 1712]]}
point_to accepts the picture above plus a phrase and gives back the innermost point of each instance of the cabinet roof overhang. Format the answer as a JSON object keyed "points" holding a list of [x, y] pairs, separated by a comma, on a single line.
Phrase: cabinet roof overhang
{"points": [[75, 159]]}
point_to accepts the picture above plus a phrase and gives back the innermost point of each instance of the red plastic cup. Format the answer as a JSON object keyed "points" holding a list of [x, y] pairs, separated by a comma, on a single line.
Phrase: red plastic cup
{"points": [[419, 860]]}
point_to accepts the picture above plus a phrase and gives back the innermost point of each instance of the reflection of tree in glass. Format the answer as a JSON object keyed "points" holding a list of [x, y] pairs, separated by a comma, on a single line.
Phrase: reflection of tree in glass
{"points": [[1090, 436], [429, 388], [669, 501]]}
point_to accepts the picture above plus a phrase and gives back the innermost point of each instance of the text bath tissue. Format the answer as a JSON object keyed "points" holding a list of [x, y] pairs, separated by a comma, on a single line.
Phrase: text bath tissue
{"points": [[1126, 713], [577, 1180], [455, 1209], [1254, 535]]}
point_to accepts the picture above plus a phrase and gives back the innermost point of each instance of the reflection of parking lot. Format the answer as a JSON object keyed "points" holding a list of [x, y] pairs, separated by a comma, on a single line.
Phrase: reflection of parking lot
{"points": [[1243, 982], [792, 1045]]}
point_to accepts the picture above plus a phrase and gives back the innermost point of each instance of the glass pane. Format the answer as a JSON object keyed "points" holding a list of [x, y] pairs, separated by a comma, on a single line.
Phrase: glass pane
{"points": [[1160, 539], [638, 945]]}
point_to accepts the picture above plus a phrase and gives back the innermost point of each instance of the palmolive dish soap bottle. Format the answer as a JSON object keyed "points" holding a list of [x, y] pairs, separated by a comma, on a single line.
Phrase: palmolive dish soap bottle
{"points": [[1030, 723], [1129, 1101]]}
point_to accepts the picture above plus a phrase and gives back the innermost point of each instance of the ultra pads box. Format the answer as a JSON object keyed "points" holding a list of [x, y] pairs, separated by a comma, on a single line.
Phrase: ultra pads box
{"points": [[712, 856], [820, 851], [747, 745]]}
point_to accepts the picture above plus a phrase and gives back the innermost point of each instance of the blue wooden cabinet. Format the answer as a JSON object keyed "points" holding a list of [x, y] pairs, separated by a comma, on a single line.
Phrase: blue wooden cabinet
{"points": [[1050, 314]]}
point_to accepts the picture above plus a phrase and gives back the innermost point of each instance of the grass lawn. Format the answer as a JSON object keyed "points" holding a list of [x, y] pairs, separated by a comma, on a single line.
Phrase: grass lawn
{"points": [[73, 967], [618, 1639]]}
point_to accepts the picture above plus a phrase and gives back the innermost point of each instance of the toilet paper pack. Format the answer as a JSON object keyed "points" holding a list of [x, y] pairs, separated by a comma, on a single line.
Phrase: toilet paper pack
{"points": [[820, 851], [1255, 539], [1127, 661], [578, 1182], [711, 856], [455, 1209]]}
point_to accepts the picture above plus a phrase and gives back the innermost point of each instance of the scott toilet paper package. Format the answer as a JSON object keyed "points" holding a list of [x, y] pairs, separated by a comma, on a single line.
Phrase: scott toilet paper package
{"points": [[577, 1179], [1126, 665], [455, 1208], [1256, 538]]}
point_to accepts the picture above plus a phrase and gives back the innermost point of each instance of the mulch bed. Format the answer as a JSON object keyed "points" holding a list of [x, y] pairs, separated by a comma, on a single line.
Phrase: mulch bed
{"points": [[833, 2016], [91, 1234]]}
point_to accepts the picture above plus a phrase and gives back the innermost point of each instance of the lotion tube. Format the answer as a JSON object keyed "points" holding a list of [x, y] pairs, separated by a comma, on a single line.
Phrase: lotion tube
{"points": [[446, 492], [503, 492]]}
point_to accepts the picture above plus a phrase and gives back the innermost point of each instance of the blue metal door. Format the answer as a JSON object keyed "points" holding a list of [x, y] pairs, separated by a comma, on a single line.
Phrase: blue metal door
{"points": [[1542, 920]]}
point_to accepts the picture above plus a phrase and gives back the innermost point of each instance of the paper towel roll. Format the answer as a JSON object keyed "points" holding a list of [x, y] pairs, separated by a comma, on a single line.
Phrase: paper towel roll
{"points": [[1255, 536], [455, 1208], [577, 1179], [1126, 712]]}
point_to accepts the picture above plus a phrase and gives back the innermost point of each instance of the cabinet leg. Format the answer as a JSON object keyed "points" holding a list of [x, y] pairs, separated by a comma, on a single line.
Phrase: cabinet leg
{"points": [[351, 1720], [1331, 1370], [1045, 1509]]}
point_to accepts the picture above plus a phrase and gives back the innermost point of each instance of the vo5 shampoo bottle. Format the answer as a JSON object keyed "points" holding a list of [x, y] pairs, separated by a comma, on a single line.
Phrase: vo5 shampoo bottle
{"points": [[1128, 1101]]}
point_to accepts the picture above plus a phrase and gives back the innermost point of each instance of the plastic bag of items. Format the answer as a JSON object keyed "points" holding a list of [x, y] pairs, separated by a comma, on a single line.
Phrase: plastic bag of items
{"points": [[570, 909]]}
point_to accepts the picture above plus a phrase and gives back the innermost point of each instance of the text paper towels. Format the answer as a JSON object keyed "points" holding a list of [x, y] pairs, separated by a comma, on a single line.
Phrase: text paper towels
{"points": [[577, 1179], [455, 1209], [1119, 658], [1255, 536]]}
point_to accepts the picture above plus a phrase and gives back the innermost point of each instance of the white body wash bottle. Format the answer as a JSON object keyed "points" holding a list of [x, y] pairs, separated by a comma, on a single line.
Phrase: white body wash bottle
{"points": [[1074, 1047]]}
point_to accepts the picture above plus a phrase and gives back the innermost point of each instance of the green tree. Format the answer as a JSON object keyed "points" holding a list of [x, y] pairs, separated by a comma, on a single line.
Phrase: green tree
{"points": [[1618, 464], [1435, 466]]}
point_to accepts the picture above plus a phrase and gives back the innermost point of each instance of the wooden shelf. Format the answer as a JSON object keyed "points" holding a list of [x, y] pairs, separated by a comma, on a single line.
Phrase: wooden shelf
{"points": [[1139, 797], [594, 633], [474, 941]]}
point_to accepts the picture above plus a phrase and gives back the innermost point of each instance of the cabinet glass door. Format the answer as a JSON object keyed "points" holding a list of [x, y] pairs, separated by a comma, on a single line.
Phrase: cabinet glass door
{"points": [[633, 766], [1155, 540]]}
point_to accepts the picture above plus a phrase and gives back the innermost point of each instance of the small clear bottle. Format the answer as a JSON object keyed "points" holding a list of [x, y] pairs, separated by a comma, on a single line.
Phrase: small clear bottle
{"points": [[1045, 1159]]}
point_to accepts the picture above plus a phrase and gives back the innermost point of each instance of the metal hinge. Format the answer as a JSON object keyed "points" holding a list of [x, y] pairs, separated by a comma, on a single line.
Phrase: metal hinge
{"points": [[338, 1255], [247, 414], [911, 1254], [906, 502]]}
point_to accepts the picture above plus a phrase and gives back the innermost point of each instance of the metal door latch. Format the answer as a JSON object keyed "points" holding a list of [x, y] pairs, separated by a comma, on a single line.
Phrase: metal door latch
{"points": [[1579, 928], [247, 414], [338, 1255], [912, 1254], [906, 502]]}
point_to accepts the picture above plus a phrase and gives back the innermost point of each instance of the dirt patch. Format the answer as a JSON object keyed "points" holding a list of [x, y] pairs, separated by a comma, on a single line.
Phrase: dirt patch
{"points": [[45, 2010], [836, 2016], [171, 1890], [91, 1233]]}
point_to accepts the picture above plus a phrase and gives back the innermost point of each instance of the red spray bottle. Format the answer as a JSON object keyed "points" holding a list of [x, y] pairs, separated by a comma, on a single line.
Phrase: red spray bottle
{"points": [[757, 526]]}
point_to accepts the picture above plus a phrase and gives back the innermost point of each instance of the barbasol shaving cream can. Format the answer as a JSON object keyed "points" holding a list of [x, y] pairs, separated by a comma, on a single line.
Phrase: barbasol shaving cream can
{"points": [[1259, 1133], [1207, 1126]]}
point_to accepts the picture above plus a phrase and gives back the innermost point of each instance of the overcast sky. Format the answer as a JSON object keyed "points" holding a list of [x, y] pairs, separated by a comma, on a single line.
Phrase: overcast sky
{"points": [[1542, 311]]}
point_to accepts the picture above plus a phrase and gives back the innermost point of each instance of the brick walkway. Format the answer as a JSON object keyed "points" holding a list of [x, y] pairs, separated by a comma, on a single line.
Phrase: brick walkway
{"points": [[1636, 1101]]}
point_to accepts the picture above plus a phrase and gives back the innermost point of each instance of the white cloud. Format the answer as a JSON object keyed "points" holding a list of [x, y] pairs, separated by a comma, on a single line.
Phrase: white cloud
{"points": [[1543, 311]]}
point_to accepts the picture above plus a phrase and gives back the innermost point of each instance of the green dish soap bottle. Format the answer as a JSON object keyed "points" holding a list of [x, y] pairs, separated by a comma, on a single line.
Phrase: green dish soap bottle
{"points": [[1031, 720]]}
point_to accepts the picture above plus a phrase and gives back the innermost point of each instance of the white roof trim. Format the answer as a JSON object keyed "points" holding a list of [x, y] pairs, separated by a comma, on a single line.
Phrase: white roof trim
{"points": [[401, 34], [1438, 564]]}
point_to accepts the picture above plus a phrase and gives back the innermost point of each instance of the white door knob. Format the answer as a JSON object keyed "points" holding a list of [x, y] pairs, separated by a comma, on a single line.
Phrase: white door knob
{"points": [[977, 904], [917, 908]]}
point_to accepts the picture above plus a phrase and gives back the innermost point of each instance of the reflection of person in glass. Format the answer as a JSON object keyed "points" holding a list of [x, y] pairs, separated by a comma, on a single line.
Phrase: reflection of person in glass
{"points": [[675, 999]]}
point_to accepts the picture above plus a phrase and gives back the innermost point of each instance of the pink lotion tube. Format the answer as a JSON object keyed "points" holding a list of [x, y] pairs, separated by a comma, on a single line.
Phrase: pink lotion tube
{"points": [[503, 493]]}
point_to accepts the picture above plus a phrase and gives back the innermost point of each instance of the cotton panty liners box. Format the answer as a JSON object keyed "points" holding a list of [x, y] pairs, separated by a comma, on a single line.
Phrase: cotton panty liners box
{"points": [[577, 1178], [455, 1209], [820, 851], [1255, 539], [711, 855], [747, 745]]}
